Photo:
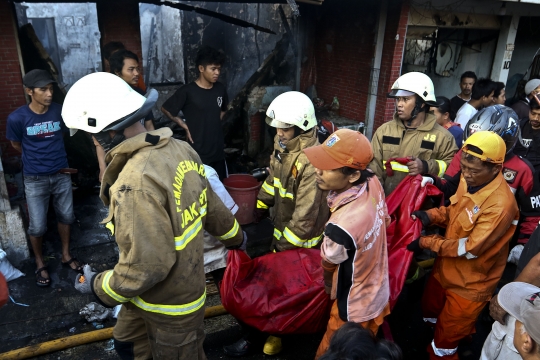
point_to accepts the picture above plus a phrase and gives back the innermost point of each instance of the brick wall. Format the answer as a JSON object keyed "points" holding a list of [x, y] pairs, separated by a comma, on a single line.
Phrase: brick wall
{"points": [[396, 27], [11, 87], [119, 20], [343, 51]]}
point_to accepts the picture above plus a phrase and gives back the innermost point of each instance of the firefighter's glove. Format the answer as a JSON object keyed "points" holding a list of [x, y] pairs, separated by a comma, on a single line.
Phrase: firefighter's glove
{"points": [[414, 246], [83, 284], [259, 215], [426, 180], [422, 216]]}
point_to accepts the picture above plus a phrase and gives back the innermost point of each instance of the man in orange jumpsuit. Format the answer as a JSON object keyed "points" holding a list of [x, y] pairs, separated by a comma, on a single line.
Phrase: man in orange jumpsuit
{"points": [[479, 222]]}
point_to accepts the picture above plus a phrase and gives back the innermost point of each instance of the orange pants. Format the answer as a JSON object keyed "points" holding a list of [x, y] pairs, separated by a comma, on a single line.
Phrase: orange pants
{"points": [[335, 323], [453, 316]]}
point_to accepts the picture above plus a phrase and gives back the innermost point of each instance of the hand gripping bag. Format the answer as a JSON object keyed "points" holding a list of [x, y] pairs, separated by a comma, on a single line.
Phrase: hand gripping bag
{"points": [[278, 293], [406, 198]]}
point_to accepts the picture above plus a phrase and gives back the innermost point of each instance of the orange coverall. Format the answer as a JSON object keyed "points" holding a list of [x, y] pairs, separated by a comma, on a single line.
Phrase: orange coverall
{"points": [[472, 257]]}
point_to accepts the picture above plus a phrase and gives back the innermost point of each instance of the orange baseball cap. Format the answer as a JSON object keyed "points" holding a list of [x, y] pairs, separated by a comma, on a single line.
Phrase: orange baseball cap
{"points": [[343, 148]]}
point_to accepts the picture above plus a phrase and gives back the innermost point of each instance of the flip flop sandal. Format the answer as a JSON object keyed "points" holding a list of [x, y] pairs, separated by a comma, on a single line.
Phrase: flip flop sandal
{"points": [[40, 280], [79, 268]]}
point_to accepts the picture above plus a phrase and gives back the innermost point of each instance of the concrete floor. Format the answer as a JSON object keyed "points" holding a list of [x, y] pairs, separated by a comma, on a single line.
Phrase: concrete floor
{"points": [[53, 311]]}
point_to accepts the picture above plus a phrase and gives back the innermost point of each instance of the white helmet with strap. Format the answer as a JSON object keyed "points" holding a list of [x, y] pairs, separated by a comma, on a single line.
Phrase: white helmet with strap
{"points": [[417, 83], [100, 102], [290, 109], [103, 101]]}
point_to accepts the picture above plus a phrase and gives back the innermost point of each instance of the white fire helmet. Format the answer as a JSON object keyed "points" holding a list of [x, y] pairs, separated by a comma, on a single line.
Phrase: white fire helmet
{"points": [[415, 83], [290, 109], [103, 101]]}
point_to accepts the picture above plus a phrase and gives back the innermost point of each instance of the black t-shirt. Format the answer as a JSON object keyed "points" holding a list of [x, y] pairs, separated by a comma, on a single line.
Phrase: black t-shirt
{"points": [[455, 103], [532, 138], [202, 110]]}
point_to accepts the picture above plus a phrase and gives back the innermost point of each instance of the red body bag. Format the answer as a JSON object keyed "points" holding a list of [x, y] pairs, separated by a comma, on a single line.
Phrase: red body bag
{"points": [[407, 197], [278, 293], [4, 294], [283, 293]]}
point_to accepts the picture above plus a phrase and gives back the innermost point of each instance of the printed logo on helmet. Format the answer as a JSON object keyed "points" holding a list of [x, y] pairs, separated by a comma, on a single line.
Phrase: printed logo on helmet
{"points": [[474, 128], [332, 140]]}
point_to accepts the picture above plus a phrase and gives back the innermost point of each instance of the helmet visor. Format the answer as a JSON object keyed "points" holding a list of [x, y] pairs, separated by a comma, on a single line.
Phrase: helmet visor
{"points": [[278, 124]]}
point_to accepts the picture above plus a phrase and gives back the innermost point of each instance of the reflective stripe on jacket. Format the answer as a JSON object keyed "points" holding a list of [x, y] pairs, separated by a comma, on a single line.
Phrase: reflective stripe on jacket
{"points": [[300, 209], [430, 142], [159, 203], [473, 251]]}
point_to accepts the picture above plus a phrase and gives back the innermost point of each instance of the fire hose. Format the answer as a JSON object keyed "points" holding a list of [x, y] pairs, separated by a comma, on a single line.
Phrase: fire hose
{"points": [[82, 339]]}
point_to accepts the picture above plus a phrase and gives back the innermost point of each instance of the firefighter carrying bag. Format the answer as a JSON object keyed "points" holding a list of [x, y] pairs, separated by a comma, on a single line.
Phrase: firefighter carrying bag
{"points": [[407, 197], [278, 293]]}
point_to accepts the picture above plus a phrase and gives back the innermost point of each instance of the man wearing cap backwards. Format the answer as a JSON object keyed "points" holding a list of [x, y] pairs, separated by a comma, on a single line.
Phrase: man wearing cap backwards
{"points": [[300, 209], [159, 204], [521, 107], [354, 254], [480, 221], [37, 131], [413, 135], [522, 301]]}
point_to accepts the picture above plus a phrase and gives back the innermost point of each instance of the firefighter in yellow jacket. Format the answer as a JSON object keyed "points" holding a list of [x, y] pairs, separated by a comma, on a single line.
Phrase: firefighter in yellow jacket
{"points": [[300, 207], [159, 203], [413, 133]]}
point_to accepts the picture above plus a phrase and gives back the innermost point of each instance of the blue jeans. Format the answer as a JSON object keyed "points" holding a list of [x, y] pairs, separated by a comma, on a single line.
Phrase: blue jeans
{"points": [[38, 190]]}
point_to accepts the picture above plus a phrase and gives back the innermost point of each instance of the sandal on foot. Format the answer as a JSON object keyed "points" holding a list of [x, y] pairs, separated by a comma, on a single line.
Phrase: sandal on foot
{"points": [[78, 268], [40, 280]]}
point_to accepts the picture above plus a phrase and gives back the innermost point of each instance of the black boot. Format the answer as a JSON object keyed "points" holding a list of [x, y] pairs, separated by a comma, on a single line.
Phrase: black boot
{"points": [[238, 349]]}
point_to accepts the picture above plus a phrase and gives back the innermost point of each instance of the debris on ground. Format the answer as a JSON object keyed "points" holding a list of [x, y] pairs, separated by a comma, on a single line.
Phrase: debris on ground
{"points": [[94, 312], [109, 345], [8, 270]]}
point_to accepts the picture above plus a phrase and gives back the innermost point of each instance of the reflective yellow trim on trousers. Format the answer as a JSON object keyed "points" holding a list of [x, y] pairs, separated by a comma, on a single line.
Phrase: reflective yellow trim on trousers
{"points": [[261, 205], [232, 233], [295, 240], [171, 310], [190, 232], [269, 189], [107, 288], [110, 226], [396, 166], [442, 167], [282, 191]]}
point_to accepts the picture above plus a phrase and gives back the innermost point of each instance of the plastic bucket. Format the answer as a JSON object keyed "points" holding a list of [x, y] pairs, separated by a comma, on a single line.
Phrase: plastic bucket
{"points": [[243, 189]]}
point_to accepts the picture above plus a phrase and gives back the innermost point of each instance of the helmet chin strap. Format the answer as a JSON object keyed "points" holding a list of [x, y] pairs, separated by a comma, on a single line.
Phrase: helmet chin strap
{"points": [[415, 112], [105, 140]]}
